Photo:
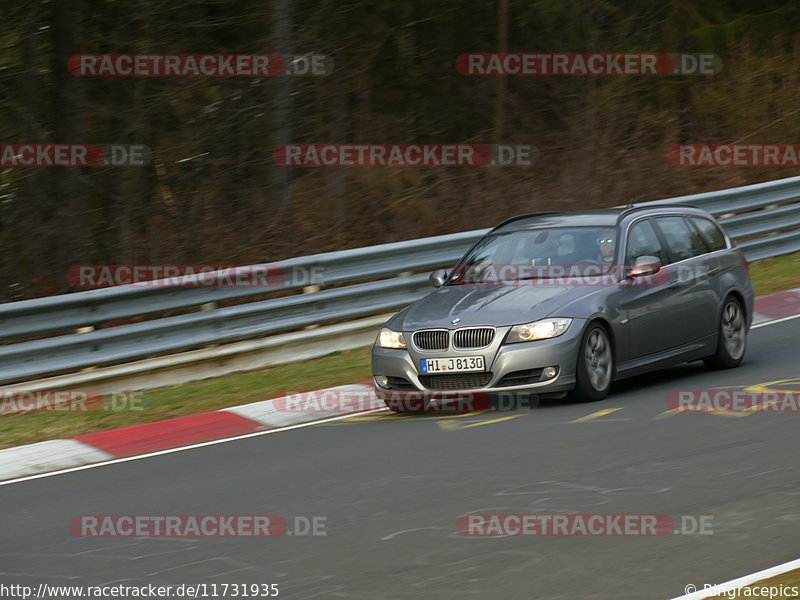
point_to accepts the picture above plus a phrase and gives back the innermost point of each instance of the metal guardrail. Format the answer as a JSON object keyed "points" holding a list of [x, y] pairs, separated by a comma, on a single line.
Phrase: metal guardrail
{"points": [[30, 318], [764, 219]]}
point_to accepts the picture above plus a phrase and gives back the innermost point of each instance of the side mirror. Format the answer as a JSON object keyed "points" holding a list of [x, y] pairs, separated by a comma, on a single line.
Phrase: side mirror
{"points": [[438, 277], [645, 265]]}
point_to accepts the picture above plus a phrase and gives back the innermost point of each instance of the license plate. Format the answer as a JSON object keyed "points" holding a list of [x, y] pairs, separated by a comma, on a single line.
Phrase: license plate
{"points": [[463, 364]]}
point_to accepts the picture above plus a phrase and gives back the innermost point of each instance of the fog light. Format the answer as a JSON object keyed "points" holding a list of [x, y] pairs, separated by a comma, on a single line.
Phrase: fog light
{"points": [[382, 380], [549, 373]]}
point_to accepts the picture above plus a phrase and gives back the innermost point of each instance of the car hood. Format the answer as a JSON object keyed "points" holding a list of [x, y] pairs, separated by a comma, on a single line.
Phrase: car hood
{"points": [[484, 305]]}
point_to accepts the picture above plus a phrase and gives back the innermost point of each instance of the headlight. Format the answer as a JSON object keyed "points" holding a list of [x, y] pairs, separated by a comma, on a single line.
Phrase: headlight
{"points": [[391, 339], [538, 330]]}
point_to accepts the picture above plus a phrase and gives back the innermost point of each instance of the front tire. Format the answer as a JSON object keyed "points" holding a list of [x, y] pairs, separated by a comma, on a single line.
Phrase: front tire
{"points": [[595, 367], [732, 337]]}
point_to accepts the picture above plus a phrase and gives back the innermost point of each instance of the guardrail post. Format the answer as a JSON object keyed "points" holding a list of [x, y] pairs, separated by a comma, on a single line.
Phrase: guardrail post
{"points": [[310, 289]]}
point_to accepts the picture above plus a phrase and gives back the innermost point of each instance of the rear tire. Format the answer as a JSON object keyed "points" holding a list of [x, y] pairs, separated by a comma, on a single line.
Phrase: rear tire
{"points": [[594, 370], [731, 337]]}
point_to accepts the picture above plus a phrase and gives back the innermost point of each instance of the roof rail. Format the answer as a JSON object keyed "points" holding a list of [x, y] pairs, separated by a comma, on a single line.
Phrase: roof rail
{"points": [[527, 216], [650, 206]]}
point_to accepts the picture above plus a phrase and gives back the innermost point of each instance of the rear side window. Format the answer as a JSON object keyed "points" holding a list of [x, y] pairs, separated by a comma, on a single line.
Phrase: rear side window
{"points": [[682, 241], [711, 233], [643, 241]]}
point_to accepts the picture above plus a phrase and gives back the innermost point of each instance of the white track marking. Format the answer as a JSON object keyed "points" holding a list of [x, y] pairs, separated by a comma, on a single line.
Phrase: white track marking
{"points": [[774, 321], [182, 448], [741, 582]]}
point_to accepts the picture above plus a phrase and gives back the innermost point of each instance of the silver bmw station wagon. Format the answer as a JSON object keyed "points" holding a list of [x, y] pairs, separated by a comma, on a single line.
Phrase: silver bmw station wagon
{"points": [[563, 303]]}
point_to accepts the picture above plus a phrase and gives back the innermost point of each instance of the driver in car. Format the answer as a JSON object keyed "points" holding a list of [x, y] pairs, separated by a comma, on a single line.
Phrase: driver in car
{"points": [[607, 245]]}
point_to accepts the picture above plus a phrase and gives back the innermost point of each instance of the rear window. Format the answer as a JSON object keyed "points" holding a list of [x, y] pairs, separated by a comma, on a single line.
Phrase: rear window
{"points": [[711, 233], [682, 241]]}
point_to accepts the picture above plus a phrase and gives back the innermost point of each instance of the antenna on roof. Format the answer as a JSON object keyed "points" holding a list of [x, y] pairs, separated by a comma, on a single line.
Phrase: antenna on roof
{"points": [[630, 204]]}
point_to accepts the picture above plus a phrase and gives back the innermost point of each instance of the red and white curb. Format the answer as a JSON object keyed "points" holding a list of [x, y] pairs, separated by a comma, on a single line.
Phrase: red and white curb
{"points": [[274, 413], [237, 421], [51, 455], [777, 306], [102, 446]]}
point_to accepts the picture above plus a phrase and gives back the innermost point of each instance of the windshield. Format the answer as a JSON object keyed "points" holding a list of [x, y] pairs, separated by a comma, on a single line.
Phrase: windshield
{"points": [[538, 254]]}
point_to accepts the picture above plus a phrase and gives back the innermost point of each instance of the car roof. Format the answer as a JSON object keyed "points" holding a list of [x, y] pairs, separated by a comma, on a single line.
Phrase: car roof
{"points": [[602, 217]]}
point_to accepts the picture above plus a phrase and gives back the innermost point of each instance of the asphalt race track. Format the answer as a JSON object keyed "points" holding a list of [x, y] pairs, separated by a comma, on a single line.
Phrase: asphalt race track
{"points": [[390, 488]]}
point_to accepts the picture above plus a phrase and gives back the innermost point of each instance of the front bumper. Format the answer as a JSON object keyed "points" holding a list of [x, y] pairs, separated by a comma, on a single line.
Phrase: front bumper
{"points": [[501, 360]]}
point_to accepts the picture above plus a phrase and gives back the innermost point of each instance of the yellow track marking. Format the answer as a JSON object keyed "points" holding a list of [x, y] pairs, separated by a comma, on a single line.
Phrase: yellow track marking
{"points": [[492, 421], [596, 415], [474, 413]]}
